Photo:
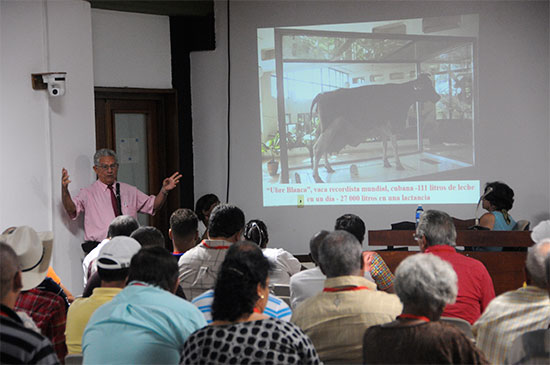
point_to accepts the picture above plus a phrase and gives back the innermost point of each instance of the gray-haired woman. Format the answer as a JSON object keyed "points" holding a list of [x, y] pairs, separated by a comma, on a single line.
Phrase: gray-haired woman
{"points": [[425, 284]]}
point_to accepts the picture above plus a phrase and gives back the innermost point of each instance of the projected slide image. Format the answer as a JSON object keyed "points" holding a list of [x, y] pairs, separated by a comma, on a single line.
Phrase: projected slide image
{"points": [[365, 103]]}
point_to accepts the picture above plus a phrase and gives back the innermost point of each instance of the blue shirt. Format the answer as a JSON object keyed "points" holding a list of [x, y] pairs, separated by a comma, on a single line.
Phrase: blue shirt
{"points": [[143, 324], [500, 222], [275, 308]]}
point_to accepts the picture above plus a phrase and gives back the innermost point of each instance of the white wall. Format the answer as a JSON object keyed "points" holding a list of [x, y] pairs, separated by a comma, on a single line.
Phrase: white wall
{"points": [[513, 130], [131, 50], [39, 135]]}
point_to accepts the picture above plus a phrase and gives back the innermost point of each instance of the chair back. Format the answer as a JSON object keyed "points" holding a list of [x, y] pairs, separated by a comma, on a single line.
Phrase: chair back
{"points": [[282, 292], [522, 225], [461, 324], [74, 359]]}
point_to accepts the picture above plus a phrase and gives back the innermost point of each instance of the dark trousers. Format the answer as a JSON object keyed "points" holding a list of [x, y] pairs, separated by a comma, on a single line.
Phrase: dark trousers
{"points": [[88, 246]]}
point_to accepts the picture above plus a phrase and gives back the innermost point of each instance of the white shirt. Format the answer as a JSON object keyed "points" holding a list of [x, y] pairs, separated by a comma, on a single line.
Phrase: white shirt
{"points": [[90, 259], [285, 265]]}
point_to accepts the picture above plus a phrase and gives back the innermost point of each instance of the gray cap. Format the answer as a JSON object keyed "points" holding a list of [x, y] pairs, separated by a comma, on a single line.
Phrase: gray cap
{"points": [[117, 253]]}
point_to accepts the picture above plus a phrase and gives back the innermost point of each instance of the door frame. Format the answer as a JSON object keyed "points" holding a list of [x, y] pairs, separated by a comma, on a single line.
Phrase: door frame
{"points": [[163, 142]]}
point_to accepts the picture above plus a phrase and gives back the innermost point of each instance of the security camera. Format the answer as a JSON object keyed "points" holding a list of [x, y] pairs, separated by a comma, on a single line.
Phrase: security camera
{"points": [[56, 83]]}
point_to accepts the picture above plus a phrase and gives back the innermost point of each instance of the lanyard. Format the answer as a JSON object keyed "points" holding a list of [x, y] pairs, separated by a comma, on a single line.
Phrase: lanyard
{"points": [[216, 247], [349, 288], [412, 316]]}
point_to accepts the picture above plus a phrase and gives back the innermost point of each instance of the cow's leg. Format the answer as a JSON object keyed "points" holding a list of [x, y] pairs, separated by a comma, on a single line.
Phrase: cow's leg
{"points": [[385, 150], [398, 165], [327, 164], [318, 150]]}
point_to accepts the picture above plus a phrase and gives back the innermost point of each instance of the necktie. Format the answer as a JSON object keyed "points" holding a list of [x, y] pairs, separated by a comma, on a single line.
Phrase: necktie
{"points": [[114, 201]]}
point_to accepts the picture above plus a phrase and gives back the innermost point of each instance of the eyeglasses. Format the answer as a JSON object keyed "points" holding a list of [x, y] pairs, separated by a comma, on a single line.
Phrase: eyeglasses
{"points": [[107, 167]]}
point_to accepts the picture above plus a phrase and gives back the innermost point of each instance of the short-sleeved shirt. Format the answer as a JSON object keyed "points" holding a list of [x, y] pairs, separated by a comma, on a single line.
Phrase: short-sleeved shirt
{"points": [[284, 265], [260, 342], [475, 286], [95, 202], [275, 308], [199, 267]]}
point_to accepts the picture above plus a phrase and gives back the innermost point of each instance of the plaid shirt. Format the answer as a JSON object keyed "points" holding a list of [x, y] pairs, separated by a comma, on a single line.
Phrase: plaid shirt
{"points": [[508, 316], [198, 267], [380, 272], [48, 312]]}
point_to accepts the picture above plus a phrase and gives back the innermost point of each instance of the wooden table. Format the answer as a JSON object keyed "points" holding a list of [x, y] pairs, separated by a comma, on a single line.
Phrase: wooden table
{"points": [[506, 268]]}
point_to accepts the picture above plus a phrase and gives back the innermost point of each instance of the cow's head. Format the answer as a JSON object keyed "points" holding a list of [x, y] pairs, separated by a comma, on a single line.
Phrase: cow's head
{"points": [[424, 90]]}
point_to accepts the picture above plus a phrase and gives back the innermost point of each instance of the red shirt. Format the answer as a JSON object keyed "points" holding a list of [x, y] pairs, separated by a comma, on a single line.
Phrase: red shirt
{"points": [[475, 286], [47, 310]]}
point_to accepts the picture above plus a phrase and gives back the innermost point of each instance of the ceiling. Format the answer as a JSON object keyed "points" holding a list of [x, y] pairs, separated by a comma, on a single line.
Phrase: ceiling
{"points": [[190, 8]]}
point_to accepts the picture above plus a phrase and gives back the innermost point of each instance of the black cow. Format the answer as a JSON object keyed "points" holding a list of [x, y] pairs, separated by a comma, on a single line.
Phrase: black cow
{"points": [[348, 116]]}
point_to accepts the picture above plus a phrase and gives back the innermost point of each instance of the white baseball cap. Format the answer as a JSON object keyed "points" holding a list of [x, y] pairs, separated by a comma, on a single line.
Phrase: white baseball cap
{"points": [[117, 253], [34, 252], [541, 231]]}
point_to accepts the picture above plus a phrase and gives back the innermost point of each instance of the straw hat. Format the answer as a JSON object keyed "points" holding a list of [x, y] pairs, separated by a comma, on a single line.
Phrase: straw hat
{"points": [[34, 251]]}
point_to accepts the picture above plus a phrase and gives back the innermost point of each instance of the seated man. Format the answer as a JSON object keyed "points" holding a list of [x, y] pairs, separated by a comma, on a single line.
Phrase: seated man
{"points": [[145, 322], [113, 265], [199, 266], [148, 236], [336, 318], [308, 282], [516, 312], [183, 231], [374, 265], [47, 310], [123, 225], [436, 234], [18, 344]]}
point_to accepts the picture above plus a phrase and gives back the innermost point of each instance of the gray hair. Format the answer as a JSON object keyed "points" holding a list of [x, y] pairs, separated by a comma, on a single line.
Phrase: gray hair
{"points": [[340, 254], [437, 227], [104, 152], [425, 280], [8, 268], [123, 225], [535, 265], [314, 244]]}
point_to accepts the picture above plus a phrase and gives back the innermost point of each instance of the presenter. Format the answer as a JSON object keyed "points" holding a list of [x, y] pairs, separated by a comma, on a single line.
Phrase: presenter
{"points": [[107, 198]]}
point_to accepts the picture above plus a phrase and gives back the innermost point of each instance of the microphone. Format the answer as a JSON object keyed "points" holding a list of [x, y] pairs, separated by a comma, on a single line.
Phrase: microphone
{"points": [[117, 195], [487, 192]]}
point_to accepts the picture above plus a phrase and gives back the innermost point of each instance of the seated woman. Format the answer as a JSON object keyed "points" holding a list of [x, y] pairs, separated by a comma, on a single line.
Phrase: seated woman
{"points": [[241, 333], [203, 208], [498, 202], [425, 284], [284, 263]]}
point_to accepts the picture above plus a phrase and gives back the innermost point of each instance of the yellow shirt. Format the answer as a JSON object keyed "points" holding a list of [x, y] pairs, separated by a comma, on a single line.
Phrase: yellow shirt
{"points": [[79, 314], [336, 321]]}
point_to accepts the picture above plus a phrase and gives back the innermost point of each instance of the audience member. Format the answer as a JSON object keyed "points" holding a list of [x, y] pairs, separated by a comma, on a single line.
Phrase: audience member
{"points": [[498, 202], [241, 332], [336, 318], [516, 312], [100, 203], [532, 347], [183, 231], [122, 225], [148, 236], [145, 323], [199, 266], [308, 282], [284, 263], [113, 265], [203, 209], [436, 234], [425, 284], [373, 264], [18, 344], [47, 310]]}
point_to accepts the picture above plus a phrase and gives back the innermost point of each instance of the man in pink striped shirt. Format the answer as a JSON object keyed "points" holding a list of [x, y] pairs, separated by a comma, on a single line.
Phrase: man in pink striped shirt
{"points": [[99, 203]]}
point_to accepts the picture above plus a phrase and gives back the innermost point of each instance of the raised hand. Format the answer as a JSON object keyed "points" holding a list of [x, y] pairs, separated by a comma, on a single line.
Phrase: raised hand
{"points": [[65, 181], [171, 182]]}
